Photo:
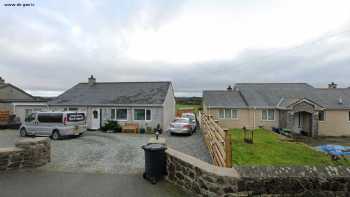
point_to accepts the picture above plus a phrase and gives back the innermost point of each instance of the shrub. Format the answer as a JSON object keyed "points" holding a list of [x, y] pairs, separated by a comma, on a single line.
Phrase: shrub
{"points": [[112, 125]]}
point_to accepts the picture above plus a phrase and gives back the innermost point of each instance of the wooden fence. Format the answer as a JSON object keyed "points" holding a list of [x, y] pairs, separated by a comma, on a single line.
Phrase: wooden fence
{"points": [[4, 116], [217, 139]]}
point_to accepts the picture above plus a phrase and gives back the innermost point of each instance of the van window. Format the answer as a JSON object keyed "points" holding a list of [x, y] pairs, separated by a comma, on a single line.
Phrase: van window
{"points": [[30, 118], [75, 117], [50, 117]]}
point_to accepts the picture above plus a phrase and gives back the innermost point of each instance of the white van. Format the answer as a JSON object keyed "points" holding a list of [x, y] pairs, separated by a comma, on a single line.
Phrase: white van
{"points": [[54, 124]]}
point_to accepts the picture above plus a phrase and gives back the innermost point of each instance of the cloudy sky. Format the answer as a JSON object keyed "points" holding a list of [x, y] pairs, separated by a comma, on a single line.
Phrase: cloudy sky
{"points": [[198, 44]]}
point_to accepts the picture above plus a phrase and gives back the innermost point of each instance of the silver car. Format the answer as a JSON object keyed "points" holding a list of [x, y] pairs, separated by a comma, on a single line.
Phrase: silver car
{"points": [[54, 124], [181, 126], [192, 118]]}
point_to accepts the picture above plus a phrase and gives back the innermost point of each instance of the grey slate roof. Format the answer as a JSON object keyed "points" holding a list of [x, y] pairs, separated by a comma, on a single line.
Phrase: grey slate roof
{"points": [[114, 93], [30, 98], [272, 95], [223, 98]]}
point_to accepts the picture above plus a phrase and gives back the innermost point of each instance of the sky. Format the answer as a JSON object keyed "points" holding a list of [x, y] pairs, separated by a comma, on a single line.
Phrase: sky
{"points": [[47, 48]]}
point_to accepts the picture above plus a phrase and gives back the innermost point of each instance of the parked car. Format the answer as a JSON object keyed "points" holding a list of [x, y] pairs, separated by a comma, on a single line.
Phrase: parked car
{"points": [[193, 119], [54, 124], [181, 126]]}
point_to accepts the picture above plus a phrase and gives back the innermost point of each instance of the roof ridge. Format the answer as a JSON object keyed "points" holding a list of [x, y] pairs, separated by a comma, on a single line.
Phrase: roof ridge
{"points": [[277, 83], [112, 82]]}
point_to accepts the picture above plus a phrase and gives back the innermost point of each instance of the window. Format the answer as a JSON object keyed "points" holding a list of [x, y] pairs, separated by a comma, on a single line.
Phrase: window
{"points": [[235, 114], [321, 116], [112, 114], [142, 114], [95, 114], [268, 114], [221, 114], [228, 114], [28, 112], [73, 109], [50, 117], [148, 114], [30, 117], [122, 114]]}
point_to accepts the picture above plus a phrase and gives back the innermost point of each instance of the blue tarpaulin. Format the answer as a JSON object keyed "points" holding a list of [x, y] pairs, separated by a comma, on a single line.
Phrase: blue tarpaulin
{"points": [[337, 150]]}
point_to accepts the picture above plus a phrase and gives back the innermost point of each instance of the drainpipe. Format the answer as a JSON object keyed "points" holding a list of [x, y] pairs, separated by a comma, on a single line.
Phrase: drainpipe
{"points": [[254, 121]]}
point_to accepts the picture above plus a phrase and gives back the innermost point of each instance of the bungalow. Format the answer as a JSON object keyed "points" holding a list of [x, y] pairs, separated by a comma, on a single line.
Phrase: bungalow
{"points": [[145, 103], [299, 107], [17, 102]]}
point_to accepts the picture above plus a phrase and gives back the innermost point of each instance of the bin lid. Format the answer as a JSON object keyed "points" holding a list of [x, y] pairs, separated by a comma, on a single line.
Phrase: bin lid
{"points": [[154, 147]]}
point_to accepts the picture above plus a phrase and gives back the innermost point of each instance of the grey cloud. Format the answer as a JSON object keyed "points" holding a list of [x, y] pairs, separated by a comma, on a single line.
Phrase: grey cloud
{"points": [[38, 55]]}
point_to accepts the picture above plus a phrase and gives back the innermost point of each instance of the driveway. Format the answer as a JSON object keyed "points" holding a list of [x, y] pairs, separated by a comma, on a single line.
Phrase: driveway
{"points": [[96, 164], [109, 153]]}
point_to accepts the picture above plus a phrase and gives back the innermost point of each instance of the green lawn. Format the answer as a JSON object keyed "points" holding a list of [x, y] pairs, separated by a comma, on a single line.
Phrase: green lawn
{"points": [[185, 106], [270, 149]]}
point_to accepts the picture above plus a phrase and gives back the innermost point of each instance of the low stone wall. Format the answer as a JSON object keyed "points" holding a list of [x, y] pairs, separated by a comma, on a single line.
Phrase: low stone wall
{"points": [[28, 153], [204, 179]]}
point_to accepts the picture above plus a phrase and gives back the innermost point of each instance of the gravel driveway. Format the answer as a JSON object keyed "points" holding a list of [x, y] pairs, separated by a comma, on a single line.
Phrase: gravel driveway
{"points": [[112, 153]]}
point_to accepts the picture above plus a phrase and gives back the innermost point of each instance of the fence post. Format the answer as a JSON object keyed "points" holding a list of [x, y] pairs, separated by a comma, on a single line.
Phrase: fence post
{"points": [[228, 149]]}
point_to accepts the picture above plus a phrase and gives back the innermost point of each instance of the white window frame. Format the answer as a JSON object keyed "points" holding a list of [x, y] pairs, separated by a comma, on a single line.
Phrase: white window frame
{"points": [[267, 115], [237, 110], [324, 116], [220, 112], [116, 114], [231, 111], [145, 109]]}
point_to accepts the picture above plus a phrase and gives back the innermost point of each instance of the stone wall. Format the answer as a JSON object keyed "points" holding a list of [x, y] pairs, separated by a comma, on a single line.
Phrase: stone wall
{"points": [[204, 179], [28, 153]]}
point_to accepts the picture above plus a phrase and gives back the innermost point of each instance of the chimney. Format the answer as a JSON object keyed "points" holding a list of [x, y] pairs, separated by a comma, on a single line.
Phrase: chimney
{"points": [[332, 85], [92, 80], [229, 88], [2, 81]]}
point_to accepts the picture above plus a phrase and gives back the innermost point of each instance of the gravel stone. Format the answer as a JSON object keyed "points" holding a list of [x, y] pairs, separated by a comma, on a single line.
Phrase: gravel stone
{"points": [[111, 153]]}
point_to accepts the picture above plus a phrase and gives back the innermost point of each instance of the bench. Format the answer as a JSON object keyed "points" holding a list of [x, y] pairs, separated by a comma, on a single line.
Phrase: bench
{"points": [[130, 128]]}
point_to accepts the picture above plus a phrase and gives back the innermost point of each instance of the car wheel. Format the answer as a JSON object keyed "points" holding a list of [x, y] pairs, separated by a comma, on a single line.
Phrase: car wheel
{"points": [[55, 135], [23, 132]]}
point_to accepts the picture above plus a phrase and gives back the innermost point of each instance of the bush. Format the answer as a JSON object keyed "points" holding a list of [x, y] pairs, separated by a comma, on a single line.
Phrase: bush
{"points": [[112, 125]]}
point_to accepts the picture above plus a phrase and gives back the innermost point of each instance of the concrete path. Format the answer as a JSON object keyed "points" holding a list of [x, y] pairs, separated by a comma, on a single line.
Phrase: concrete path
{"points": [[39, 183]]}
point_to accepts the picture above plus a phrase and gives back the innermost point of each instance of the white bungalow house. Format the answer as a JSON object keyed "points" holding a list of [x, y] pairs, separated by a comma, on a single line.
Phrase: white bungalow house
{"points": [[145, 103]]}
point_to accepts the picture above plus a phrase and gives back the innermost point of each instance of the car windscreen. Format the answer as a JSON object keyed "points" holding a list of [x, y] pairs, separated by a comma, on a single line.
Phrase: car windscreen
{"points": [[181, 121], [75, 117]]}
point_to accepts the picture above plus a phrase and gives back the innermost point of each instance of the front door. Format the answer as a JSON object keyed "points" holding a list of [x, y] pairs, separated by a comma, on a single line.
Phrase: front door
{"points": [[95, 119]]}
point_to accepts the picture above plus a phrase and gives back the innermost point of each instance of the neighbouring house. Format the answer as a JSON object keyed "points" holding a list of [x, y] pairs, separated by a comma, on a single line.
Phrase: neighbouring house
{"points": [[18, 102], [298, 107], [145, 103]]}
